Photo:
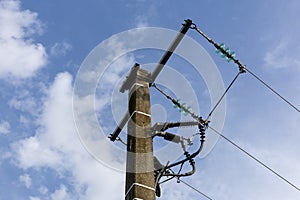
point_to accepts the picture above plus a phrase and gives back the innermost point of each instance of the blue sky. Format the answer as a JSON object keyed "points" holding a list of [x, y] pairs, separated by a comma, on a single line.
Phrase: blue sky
{"points": [[42, 46]]}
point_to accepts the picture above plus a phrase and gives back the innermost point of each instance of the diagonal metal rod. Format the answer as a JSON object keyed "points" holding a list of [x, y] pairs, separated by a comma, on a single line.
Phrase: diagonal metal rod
{"points": [[119, 128], [221, 98], [170, 50]]}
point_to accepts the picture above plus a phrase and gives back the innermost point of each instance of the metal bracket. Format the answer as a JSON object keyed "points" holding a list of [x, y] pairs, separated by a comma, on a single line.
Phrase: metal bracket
{"points": [[162, 126]]}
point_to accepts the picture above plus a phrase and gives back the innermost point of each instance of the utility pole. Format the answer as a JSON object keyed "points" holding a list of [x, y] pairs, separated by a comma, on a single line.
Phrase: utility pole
{"points": [[140, 164], [140, 183]]}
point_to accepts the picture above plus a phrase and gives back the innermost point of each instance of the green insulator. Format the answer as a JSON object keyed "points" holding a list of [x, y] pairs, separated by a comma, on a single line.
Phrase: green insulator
{"points": [[175, 105], [227, 50], [222, 46], [187, 110], [232, 55]]}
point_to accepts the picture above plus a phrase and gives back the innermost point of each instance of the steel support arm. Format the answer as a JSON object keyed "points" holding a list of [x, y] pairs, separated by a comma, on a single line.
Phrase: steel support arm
{"points": [[170, 50]]}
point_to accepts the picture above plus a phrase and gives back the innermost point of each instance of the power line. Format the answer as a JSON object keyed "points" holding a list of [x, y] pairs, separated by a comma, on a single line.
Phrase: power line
{"points": [[190, 186], [225, 52], [234, 144], [273, 90], [256, 159]]}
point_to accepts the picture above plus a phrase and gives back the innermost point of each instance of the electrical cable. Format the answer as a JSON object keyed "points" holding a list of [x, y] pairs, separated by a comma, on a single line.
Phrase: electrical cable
{"points": [[251, 156], [274, 91], [242, 67], [172, 176], [192, 163], [190, 186], [191, 156], [166, 180], [221, 98], [255, 159], [159, 175]]}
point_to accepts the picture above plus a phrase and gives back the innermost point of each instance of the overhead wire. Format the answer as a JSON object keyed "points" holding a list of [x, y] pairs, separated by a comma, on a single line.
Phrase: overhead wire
{"points": [[242, 69], [230, 56], [255, 159], [240, 65], [234, 144], [190, 186], [273, 90], [204, 123]]}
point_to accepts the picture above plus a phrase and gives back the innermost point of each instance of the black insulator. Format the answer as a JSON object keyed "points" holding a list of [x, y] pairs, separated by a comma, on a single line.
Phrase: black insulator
{"points": [[172, 137]]}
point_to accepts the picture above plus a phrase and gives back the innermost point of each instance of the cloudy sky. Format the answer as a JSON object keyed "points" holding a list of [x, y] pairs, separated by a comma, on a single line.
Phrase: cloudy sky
{"points": [[44, 43]]}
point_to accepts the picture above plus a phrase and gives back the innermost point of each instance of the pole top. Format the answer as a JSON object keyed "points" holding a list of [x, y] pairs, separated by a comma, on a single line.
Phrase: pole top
{"points": [[136, 73]]}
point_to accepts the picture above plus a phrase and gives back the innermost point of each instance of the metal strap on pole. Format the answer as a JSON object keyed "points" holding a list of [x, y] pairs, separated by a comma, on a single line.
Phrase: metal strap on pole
{"points": [[140, 185]]}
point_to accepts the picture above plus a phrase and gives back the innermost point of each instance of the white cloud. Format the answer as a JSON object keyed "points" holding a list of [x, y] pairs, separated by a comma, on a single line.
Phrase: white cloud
{"points": [[4, 127], [25, 178], [61, 194], [5, 155], [60, 49], [31, 153], [34, 198], [141, 21], [57, 146], [24, 120], [281, 55], [20, 56], [43, 190], [25, 101]]}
